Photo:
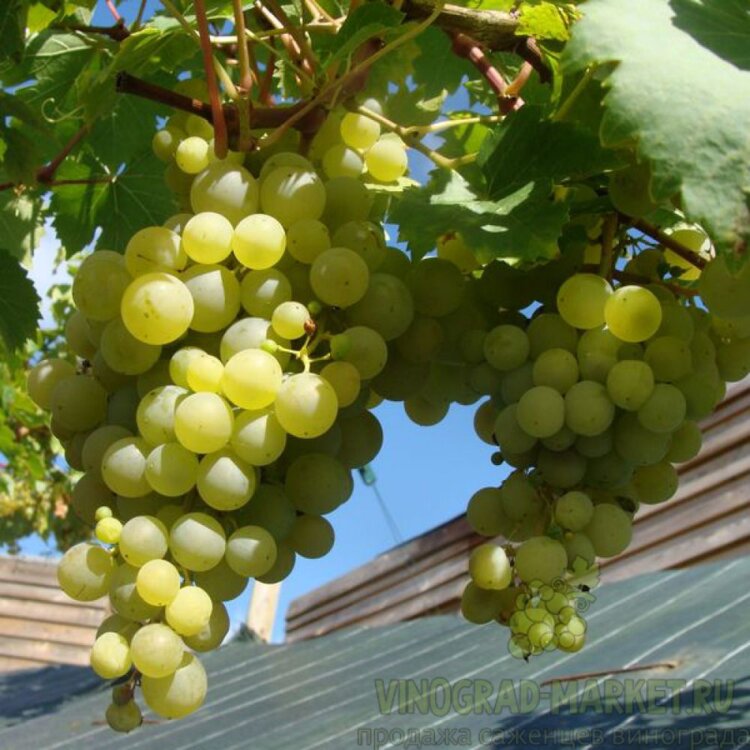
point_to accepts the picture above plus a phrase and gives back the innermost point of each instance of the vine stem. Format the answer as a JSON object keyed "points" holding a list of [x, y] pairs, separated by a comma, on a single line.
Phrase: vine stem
{"points": [[668, 241], [567, 105], [243, 53], [117, 32], [322, 27], [439, 127], [309, 61], [113, 11], [139, 17], [634, 278], [609, 230]]}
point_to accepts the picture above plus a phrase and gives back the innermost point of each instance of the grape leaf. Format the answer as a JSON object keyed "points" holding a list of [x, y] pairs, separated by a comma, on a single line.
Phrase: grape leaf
{"points": [[19, 302], [437, 68], [684, 106], [20, 223], [525, 223], [12, 23], [543, 21]]}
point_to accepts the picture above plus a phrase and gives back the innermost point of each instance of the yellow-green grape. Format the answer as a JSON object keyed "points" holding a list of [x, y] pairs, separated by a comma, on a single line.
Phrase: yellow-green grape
{"points": [[154, 249], [479, 605], [258, 438], [686, 443], [118, 624], [311, 536], [197, 541], [197, 126], [664, 410], [204, 373], [633, 313], [171, 469], [226, 189], [124, 467], [541, 635], [489, 567], [669, 357], [99, 283], [164, 143], [221, 583], [124, 596], [636, 444], [178, 694], [485, 513], [252, 379], [123, 718], [156, 377], [597, 354], [694, 239], [284, 159], [156, 650], [307, 239], [189, 612], [43, 377], [251, 551], [549, 331], [610, 530], [363, 347], [365, 238], [541, 411], [540, 559], [103, 512], [259, 241], [506, 347], [342, 161], [345, 380], [157, 308], [108, 530], [283, 567], [556, 368], [588, 408], [289, 320], [387, 307], [570, 635], [581, 300], [251, 333], [155, 415], [158, 582], [508, 433], [192, 155], [656, 483], [579, 548], [78, 336], [78, 402], [438, 287], [110, 656], [290, 194], [630, 383], [453, 248], [85, 571], [361, 439], [263, 291], [359, 131], [143, 538], [207, 237], [216, 297], [306, 405], [179, 363], [629, 190], [124, 353], [177, 222], [213, 633], [225, 481], [573, 510], [347, 199], [203, 422], [339, 277], [386, 159], [317, 483]]}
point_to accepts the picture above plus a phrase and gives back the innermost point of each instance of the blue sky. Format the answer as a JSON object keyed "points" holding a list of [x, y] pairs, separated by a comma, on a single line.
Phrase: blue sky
{"points": [[425, 475]]}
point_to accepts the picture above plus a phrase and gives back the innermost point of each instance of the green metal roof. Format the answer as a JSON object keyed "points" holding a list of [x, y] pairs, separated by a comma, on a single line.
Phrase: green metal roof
{"points": [[323, 693]]}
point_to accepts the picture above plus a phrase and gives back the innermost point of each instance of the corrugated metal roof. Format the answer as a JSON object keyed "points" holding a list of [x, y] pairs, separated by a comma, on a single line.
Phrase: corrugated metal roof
{"points": [[319, 693]]}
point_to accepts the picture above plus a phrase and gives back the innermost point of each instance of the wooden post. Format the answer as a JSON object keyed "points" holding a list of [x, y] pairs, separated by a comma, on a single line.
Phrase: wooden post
{"points": [[261, 612]]}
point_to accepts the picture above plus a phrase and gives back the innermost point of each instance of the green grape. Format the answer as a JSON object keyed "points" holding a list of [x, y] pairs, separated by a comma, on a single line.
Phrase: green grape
{"points": [[165, 142], [290, 194], [669, 357], [452, 247], [364, 238], [550, 331], [290, 320], [479, 605], [387, 307], [581, 300], [520, 498], [562, 469], [629, 190], [43, 377], [401, 379], [437, 287], [484, 512], [347, 199], [189, 612], [284, 159], [124, 353], [178, 183], [251, 551], [204, 373], [99, 283], [252, 378], [207, 237], [226, 189], [257, 437], [124, 467], [540, 559], [270, 508], [630, 351], [596, 445], [157, 308], [633, 314], [702, 392], [225, 481], [489, 567], [197, 541], [342, 161], [192, 155], [345, 380], [154, 249], [597, 353], [221, 583], [695, 239], [118, 624], [578, 548], [317, 483], [214, 632], [729, 328], [311, 536], [179, 693], [78, 336], [509, 434], [423, 412], [156, 412], [573, 510], [143, 538], [157, 582], [636, 444], [339, 277], [77, 402], [169, 513], [307, 239], [676, 321], [216, 297], [203, 422], [555, 368], [124, 596], [156, 377], [725, 293], [395, 262], [541, 635], [386, 159], [85, 571], [421, 341], [259, 241], [359, 131], [630, 383], [561, 440], [261, 292], [110, 656], [541, 411], [656, 483], [156, 650], [250, 333], [171, 469], [471, 345], [608, 472], [733, 360], [664, 411], [361, 440], [506, 347], [122, 407], [363, 347], [588, 408], [686, 443], [109, 378], [306, 405], [610, 530], [108, 530]]}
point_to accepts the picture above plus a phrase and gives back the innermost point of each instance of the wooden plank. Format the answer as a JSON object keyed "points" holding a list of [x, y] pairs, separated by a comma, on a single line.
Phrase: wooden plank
{"points": [[45, 612], [54, 595], [47, 631], [13, 664], [50, 653], [28, 570], [261, 612]]}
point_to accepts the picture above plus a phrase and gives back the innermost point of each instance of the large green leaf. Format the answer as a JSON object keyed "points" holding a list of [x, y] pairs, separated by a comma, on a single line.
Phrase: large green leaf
{"points": [[19, 302], [21, 223], [685, 107], [12, 23], [437, 68]]}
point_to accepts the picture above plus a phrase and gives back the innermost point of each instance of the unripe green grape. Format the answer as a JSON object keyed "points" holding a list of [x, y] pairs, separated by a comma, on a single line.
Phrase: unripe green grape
{"points": [[686, 443], [676, 321], [339, 277], [251, 551], [197, 541], [702, 391], [484, 512], [221, 583], [438, 287], [311, 536], [629, 190], [630, 383], [541, 411], [306, 405], [125, 599], [669, 358], [156, 412], [555, 368], [489, 567], [110, 379], [347, 199], [597, 354], [124, 353], [573, 510], [733, 360], [290, 194], [550, 331], [317, 483], [143, 538], [225, 481], [656, 483], [207, 237], [178, 694], [85, 572], [563, 469], [165, 142], [189, 611], [479, 605], [421, 341], [157, 650], [226, 189], [581, 300], [588, 408], [386, 307], [345, 380], [197, 126], [452, 247], [509, 434], [386, 159], [359, 131], [342, 161], [213, 633], [156, 377], [192, 155], [423, 412], [579, 548], [99, 283], [77, 402], [171, 469], [203, 422], [610, 530], [158, 582], [78, 336], [609, 472], [262, 292], [637, 444], [154, 249], [43, 377], [506, 347], [540, 559], [307, 239], [665, 409], [633, 314], [561, 440], [361, 439], [122, 407], [108, 530], [124, 467]]}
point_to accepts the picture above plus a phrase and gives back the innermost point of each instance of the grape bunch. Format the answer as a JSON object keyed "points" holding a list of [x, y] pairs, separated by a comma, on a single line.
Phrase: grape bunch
{"points": [[216, 397]]}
